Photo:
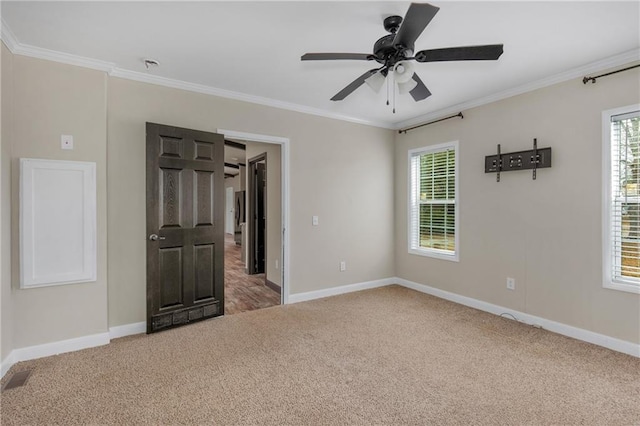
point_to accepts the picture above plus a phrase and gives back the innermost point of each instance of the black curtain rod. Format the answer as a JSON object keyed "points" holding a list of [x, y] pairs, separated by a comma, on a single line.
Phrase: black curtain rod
{"points": [[585, 80], [431, 122]]}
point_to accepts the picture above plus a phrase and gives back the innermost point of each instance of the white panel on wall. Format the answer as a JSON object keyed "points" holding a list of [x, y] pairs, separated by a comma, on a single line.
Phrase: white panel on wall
{"points": [[57, 222]]}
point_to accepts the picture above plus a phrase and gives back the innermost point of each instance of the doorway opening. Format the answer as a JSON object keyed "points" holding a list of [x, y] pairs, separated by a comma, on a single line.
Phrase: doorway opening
{"points": [[254, 252]]}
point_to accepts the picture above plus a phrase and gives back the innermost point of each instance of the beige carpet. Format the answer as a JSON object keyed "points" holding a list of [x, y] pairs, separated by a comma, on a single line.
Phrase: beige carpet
{"points": [[383, 356]]}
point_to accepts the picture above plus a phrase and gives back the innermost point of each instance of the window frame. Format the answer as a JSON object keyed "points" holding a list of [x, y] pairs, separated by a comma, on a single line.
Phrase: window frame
{"points": [[607, 215], [432, 252]]}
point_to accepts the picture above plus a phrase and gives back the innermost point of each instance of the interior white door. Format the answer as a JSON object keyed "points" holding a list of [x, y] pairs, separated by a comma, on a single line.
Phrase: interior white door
{"points": [[228, 218]]}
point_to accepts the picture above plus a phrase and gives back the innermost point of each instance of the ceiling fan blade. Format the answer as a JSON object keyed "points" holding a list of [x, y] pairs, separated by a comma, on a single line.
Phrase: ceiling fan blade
{"points": [[464, 53], [353, 85], [419, 92], [334, 56], [415, 21]]}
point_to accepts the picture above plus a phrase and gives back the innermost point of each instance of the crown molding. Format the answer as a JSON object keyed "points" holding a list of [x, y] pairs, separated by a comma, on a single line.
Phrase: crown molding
{"points": [[209, 90], [610, 62], [18, 48], [8, 37]]}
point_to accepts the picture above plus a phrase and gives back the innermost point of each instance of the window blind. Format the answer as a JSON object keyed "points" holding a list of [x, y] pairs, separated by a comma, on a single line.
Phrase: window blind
{"points": [[625, 198], [433, 222]]}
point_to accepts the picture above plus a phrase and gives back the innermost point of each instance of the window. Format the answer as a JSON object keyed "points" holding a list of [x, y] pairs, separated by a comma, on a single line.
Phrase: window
{"points": [[433, 201], [621, 170]]}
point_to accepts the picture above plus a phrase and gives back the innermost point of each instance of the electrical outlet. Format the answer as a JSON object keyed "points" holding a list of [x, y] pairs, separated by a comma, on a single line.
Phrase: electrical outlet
{"points": [[511, 283], [343, 266], [276, 263], [314, 220]]}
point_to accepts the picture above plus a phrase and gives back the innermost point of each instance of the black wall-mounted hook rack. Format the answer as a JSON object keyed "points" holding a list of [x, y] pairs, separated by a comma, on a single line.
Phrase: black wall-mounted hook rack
{"points": [[533, 159], [498, 164]]}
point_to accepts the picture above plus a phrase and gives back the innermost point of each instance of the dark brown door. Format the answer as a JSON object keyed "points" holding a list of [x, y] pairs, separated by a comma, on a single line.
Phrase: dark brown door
{"points": [[239, 216], [185, 226], [257, 214], [260, 220]]}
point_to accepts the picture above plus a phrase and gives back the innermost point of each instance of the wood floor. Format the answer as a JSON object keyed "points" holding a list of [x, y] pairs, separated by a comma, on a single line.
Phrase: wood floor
{"points": [[243, 292]]}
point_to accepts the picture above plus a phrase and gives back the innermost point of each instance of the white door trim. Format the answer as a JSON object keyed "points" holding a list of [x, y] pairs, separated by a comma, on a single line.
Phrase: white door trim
{"points": [[284, 166]]}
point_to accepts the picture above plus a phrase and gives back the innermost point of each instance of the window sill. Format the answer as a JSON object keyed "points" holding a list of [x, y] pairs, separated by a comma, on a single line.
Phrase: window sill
{"points": [[435, 254], [629, 288]]}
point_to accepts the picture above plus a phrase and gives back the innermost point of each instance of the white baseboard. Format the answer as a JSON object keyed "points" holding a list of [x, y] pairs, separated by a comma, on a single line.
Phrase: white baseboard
{"points": [[334, 291], [60, 347], [53, 348], [612, 343], [127, 329], [7, 363]]}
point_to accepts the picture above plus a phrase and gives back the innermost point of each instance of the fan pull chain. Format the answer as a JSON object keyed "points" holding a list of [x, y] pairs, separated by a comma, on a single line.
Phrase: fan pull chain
{"points": [[393, 87], [388, 90]]}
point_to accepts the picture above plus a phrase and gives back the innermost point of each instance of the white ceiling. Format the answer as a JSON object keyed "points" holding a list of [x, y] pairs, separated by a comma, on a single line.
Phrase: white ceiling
{"points": [[254, 48]]}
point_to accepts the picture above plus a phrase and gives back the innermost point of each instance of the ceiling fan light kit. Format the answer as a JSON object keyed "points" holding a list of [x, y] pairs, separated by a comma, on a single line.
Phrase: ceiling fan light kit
{"points": [[403, 71], [395, 52], [375, 81], [404, 88]]}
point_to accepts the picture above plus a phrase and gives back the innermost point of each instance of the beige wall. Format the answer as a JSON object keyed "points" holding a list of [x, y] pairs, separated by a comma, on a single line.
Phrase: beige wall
{"points": [[50, 99], [544, 233], [341, 172], [6, 307], [274, 203], [331, 163]]}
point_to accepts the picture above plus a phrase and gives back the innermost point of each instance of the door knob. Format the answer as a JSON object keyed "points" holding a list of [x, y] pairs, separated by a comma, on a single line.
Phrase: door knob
{"points": [[155, 237]]}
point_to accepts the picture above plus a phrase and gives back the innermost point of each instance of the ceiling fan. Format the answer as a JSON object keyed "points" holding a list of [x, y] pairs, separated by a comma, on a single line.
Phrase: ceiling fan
{"points": [[395, 52]]}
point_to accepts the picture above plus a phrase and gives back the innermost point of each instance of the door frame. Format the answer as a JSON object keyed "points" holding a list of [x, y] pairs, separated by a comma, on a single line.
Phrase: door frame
{"points": [[285, 208], [251, 239]]}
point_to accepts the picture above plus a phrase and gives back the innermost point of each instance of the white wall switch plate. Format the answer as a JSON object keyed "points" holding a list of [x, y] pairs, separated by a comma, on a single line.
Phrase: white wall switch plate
{"points": [[343, 266], [66, 141], [314, 220]]}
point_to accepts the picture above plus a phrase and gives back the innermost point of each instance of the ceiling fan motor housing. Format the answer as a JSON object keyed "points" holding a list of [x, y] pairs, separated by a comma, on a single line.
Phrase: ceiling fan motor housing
{"points": [[387, 53]]}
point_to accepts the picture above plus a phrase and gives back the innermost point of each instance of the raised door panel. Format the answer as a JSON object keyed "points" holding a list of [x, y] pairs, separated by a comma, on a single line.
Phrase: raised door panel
{"points": [[171, 147], [170, 198], [171, 277], [203, 198], [203, 151], [204, 276]]}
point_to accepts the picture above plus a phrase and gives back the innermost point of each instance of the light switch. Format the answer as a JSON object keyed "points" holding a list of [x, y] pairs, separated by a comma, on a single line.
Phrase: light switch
{"points": [[66, 141], [314, 220]]}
